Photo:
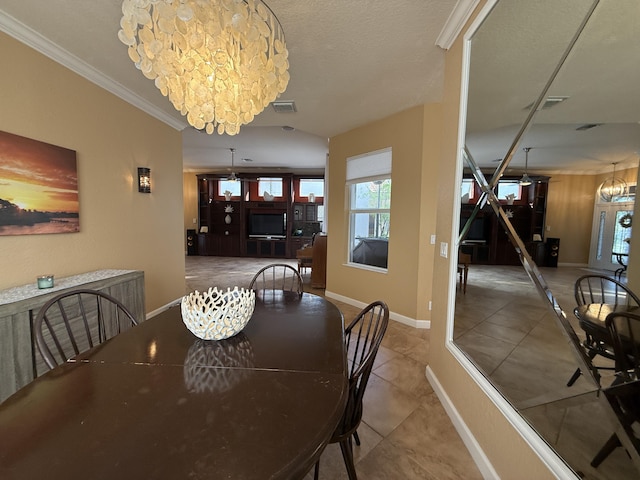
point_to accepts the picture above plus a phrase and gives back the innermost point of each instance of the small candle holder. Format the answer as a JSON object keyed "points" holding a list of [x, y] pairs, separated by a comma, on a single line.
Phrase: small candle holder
{"points": [[45, 281]]}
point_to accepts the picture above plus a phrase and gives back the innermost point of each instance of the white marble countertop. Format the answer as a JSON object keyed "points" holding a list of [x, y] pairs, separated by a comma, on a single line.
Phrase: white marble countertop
{"points": [[24, 292]]}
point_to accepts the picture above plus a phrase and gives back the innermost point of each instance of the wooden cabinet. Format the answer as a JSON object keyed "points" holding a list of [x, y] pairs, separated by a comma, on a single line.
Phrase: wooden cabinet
{"points": [[247, 224], [486, 239]]}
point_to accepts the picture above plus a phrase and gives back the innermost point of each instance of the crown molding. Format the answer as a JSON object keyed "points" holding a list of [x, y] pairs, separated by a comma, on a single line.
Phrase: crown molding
{"points": [[456, 21], [35, 40]]}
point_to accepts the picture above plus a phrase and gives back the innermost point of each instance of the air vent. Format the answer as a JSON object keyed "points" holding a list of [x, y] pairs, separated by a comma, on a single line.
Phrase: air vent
{"points": [[549, 102], [587, 126], [284, 107]]}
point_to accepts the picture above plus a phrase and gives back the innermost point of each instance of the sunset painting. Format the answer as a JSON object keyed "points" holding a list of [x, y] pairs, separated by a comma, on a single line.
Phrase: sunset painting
{"points": [[38, 187]]}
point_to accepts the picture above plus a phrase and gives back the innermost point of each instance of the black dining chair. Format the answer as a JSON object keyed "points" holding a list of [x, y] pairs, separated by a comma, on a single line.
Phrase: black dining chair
{"points": [[277, 276], [599, 289], [363, 337], [76, 321], [624, 393]]}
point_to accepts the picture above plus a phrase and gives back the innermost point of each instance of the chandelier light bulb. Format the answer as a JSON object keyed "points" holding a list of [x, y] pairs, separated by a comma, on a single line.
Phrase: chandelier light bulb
{"points": [[220, 62]]}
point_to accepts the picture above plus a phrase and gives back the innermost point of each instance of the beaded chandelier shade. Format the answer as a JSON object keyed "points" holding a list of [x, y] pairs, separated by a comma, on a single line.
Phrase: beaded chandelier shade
{"points": [[220, 62]]}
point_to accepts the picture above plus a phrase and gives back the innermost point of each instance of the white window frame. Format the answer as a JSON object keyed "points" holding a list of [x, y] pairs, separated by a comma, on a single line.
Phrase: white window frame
{"points": [[370, 167]]}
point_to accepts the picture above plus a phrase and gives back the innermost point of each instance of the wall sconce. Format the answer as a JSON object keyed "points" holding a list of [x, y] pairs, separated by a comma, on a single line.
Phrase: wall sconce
{"points": [[144, 180]]}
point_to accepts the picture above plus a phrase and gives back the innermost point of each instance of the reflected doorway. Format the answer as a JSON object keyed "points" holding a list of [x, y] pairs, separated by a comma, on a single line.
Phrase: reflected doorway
{"points": [[611, 236]]}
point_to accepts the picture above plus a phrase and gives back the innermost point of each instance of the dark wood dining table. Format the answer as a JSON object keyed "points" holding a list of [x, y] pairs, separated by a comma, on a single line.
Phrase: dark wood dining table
{"points": [[155, 402], [594, 315]]}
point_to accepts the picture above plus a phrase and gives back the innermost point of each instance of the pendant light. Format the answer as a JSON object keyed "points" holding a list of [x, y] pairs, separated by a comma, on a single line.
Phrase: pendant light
{"points": [[526, 180], [612, 187]]}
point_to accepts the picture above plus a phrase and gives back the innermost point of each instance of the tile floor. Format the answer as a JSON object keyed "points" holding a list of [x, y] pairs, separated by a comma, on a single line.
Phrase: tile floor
{"points": [[514, 337], [405, 432]]}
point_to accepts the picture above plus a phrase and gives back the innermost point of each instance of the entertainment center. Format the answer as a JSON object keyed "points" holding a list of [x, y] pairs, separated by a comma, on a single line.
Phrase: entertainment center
{"points": [[247, 224], [487, 242]]}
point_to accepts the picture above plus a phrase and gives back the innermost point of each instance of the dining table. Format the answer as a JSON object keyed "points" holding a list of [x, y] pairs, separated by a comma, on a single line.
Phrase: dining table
{"points": [[156, 402]]}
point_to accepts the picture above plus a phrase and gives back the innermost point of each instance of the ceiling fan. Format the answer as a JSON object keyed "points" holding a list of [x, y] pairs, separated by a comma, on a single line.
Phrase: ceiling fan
{"points": [[232, 176]]}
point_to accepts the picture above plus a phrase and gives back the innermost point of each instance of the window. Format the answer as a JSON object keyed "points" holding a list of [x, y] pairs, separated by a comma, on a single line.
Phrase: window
{"points": [[229, 186], [369, 192], [314, 186], [272, 186], [509, 187], [467, 190]]}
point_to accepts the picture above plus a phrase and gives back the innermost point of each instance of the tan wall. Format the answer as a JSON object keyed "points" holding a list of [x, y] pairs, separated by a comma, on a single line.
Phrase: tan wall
{"points": [[570, 206], [119, 227], [505, 448], [570, 215], [414, 167]]}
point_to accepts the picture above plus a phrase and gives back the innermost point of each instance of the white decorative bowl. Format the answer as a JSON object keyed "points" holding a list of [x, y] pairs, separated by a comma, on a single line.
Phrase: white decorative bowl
{"points": [[216, 314]]}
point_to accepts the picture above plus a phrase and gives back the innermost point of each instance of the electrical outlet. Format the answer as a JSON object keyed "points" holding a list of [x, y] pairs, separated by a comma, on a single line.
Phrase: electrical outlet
{"points": [[444, 249], [433, 239], [429, 305]]}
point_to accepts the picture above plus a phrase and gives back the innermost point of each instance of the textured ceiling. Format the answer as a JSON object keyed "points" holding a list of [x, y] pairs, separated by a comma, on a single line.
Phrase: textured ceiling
{"points": [[353, 62]]}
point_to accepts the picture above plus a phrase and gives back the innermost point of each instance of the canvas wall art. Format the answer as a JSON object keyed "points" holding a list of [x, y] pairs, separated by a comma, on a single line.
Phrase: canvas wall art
{"points": [[38, 187]]}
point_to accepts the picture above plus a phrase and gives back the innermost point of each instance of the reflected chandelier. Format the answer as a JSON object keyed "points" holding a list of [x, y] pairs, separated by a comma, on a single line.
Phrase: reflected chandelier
{"points": [[612, 187], [220, 62]]}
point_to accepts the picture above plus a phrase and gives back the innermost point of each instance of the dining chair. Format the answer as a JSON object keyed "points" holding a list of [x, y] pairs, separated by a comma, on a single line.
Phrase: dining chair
{"points": [[464, 259], [75, 321], [599, 289], [624, 393], [363, 337], [277, 276]]}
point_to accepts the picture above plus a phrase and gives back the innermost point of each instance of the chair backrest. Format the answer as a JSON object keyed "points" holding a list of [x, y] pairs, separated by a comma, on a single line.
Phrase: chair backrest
{"points": [[277, 276], [624, 329], [602, 289], [363, 337], [76, 321]]}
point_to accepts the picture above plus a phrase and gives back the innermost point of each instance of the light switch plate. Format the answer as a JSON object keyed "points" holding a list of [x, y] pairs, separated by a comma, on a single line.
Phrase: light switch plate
{"points": [[444, 249]]}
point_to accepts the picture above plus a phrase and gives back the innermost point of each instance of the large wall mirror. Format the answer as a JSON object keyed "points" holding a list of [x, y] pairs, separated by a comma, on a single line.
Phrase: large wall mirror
{"points": [[553, 94]]}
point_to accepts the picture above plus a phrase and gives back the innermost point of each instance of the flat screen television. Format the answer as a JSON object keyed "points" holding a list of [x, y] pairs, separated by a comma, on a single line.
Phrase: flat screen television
{"points": [[267, 225]]}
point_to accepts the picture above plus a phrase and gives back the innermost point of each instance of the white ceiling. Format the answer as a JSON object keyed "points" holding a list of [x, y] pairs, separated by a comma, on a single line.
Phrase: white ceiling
{"points": [[353, 62]]}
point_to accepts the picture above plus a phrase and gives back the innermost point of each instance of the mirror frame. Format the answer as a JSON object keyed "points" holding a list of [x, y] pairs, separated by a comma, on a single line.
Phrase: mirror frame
{"points": [[553, 461]]}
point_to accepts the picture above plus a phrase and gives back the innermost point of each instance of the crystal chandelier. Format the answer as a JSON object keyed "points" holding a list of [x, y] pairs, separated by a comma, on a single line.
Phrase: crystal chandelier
{"points": [[612, 187], [220, 62]]}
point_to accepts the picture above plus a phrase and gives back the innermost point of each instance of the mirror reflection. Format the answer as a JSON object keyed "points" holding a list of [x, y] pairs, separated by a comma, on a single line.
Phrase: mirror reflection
{"points": [[551, 100]]}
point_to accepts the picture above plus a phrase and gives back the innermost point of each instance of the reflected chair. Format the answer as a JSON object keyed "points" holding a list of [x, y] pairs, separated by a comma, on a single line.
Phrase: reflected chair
{"points": [[464, 259], [599, 289], [76, 321], [624, 393], [363, 337], [277, 276]]}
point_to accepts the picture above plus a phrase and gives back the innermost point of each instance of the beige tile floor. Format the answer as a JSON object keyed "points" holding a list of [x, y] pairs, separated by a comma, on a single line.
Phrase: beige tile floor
{"points": [[514, 337], [405, 432]]}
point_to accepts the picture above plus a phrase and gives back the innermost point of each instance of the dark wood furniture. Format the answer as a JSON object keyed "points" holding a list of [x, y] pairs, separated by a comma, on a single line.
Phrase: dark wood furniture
{"points": [[596, 297], [155, 402], [487, 241], [363, 337], [76, 321], [20, 363], [305, 258], [276, 277], [224, 225], [319, 262]]}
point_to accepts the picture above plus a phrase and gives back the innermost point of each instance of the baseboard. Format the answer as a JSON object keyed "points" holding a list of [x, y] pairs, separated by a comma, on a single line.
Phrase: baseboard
{"points": [[476, 452], [538, 446], [392, 315], [163, 308]]}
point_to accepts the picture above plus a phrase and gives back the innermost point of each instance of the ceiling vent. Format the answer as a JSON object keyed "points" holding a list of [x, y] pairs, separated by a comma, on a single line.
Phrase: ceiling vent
{"points": [[549, 102], [284, 107]]}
